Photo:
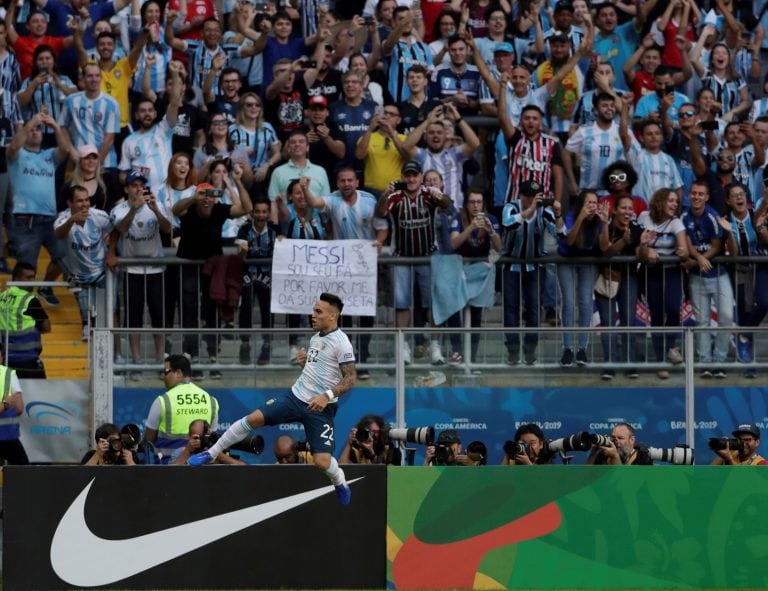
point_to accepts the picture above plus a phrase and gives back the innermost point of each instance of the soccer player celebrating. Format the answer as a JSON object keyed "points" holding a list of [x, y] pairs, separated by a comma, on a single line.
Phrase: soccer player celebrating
{"points": [[329, 372]]}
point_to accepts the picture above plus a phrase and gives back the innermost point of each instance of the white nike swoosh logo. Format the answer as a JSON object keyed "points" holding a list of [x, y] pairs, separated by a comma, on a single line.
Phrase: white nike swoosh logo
{"points": [[83, 559]]}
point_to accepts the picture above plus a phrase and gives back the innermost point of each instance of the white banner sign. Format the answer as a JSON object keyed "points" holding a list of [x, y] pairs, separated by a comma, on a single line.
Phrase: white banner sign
{"points": [[54, 426], [303, 269]]}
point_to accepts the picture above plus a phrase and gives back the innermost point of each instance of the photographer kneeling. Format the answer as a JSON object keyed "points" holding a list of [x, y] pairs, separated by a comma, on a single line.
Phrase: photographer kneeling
{"points": [[621, 449], [447, 451], [199, 438], [741, 451], [110, 449], [368, 444], [529, 447]]}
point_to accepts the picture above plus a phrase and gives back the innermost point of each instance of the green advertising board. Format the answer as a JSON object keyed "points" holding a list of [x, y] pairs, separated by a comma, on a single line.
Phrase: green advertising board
{"points": [[578, 527]]}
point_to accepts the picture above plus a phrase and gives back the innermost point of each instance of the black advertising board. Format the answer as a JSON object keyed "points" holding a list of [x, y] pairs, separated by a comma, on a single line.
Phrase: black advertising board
{"points": [[215, 527]]}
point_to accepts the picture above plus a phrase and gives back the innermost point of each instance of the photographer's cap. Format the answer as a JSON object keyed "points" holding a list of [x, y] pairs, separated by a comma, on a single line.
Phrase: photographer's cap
{"points": [[411, 166], [530, 188], [448, 437], [748, 428], [135, 175]]}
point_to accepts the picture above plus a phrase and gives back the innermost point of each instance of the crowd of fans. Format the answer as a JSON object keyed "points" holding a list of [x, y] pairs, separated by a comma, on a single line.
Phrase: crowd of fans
{"points": [[611, 128]]}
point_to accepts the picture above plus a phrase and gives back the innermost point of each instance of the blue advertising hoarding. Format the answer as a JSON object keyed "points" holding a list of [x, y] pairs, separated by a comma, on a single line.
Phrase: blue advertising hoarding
{"points": [[491, 415]]}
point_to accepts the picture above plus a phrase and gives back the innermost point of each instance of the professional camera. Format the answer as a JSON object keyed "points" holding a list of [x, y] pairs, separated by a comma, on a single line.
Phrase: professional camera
{"points": [[581, 441], [303, 445], [130, 435], [718, 443], [421, 435], [442, 455], [515, 448], [681, 454], [116, 445]]}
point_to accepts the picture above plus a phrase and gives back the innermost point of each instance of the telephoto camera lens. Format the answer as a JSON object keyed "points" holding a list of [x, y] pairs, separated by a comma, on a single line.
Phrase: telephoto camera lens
{"points": [[681, 455]]}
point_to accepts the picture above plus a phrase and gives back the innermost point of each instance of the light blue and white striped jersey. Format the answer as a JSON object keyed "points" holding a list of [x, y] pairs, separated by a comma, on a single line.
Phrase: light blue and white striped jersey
{"points": [[351, 221], [759, 108], [10, 73], [322, 371], [597, 148], [11, 116], [744, 171], [251, 67], [257, 143], [151, 149], [449, 163], [169, 197], [46, 95], [90, 120], [162, 53], [232, 225], [86, 245], [201, 60], [655, 171], [32, 178], [515, 104], [142, 239]]}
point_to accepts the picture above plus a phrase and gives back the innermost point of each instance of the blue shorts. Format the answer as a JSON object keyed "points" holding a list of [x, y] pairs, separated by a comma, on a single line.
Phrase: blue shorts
{"points": [[404, 285], [318, 426]]}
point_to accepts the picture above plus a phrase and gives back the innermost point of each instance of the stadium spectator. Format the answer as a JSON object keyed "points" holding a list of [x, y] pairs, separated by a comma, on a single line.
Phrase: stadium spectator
{"points": [[256, 135], [622, 236], [37, 34], [747, 235], [663, 281], [381, 149], [219, 146], [256, 240], [139, 222], [525, 222], [474, 233], [352, 114], [709, 283], [31, 170], [404, 50], [418, 106], [297, 166], [583, 225], [411, 211], [83, 230], [458, 81]]}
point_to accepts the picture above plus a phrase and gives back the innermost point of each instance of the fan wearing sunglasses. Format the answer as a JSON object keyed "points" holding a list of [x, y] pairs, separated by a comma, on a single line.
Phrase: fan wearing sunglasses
{"points": [[618, 180]]}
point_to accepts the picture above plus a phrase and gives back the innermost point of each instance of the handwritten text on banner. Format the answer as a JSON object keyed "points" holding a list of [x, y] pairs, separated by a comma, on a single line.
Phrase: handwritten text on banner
{"points": [[303, 269]]}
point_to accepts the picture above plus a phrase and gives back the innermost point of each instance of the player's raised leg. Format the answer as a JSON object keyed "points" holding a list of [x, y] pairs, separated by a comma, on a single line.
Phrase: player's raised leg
{"points": [[238, 431]]}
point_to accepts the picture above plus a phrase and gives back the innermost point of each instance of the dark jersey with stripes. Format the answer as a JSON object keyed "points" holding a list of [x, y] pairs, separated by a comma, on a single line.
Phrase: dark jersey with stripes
{"points": [[532, 160], [413, 222]]}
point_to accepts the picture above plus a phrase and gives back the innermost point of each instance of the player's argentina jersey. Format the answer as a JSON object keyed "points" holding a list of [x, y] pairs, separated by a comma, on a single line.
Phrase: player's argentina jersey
{"points": [[325, 356]]}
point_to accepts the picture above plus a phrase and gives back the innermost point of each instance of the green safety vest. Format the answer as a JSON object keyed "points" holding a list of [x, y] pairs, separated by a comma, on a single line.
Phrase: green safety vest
{"points": [[181, 405], [24, 343]]}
